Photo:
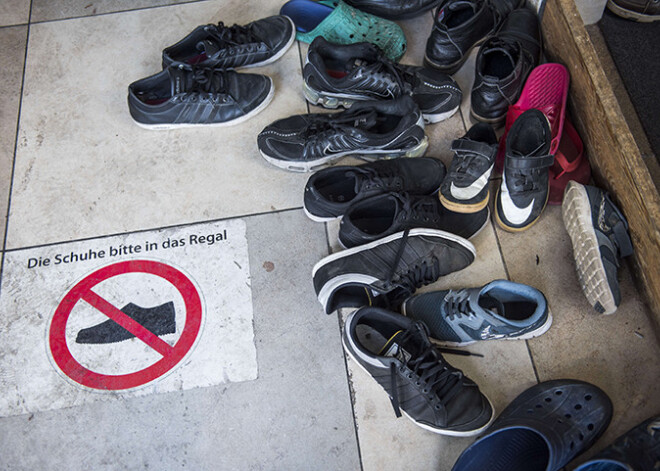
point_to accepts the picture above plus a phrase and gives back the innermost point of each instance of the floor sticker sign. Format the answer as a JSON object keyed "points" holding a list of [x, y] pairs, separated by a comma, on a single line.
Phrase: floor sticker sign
{"points": [[125, 315]]}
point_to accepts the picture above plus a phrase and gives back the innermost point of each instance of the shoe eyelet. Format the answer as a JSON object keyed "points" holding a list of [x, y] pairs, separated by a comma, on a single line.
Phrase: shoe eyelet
{"points": [[578, 406], [590, 427], [425, 390]]}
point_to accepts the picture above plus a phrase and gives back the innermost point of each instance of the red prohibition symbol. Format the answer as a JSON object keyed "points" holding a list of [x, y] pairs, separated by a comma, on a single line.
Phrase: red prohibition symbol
{"points": [[171, 355]]}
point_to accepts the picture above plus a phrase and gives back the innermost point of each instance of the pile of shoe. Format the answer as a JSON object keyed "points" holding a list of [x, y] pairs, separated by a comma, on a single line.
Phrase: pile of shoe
{"points": [[198, 84]]}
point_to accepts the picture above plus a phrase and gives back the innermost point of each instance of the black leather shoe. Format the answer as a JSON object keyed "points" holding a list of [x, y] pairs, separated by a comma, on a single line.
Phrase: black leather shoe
{"points": [[503, 64], [393, 9], [459, 26]]}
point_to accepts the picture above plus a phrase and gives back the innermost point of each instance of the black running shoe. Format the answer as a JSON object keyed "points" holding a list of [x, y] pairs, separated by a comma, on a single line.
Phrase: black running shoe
{"points": [[599, 234], [329, 192], [373, 129], [182, 97], [523, 193], [229, 47], [397, 353], [388, 270], [337, 75], [465, 189], [382, 215]]}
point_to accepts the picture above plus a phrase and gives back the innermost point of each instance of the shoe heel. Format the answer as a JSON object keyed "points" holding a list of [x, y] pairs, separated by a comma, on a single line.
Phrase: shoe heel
{"points": [[318, 98]]}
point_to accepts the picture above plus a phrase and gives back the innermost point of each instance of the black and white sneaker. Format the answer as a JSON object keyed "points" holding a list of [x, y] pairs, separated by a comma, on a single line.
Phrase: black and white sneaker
{"points": [[388, 270], [329, 192], [523, 193], [397, 353], [373, 129], [382, 215], [337, 75], [182, 97], [599, 234], [465, 189], [229, 47]]}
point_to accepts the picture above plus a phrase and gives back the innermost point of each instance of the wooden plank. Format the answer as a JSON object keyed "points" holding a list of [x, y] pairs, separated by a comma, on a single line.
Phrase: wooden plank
{"points": [[615, 159]]}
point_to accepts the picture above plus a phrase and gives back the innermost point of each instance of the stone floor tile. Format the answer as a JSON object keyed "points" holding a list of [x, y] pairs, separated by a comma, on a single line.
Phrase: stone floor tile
{"points": [[417, 31], [45, 10], [76, 132], [618, 353], [12, 56], [296, 414], [14, 12], [465, 78]]}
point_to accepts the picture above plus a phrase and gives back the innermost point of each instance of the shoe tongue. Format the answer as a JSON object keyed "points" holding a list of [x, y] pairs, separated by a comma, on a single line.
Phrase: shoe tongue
{"points": [[180, 80], [400, 347], [208, 47]]}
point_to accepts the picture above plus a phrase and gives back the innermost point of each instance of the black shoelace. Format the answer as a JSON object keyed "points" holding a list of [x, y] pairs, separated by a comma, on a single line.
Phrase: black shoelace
{"points": [[233, 35], [523, 181], [322, 127], [457, 304], [207, 80], [404, 79], [418, 208], [382, 177]]}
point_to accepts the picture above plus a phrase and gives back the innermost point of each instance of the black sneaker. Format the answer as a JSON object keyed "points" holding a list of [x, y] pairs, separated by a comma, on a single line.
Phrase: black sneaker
{"points": [[371, 129], [389, 270], [465, 189], [459, 26], [228, 47], [523, 193], [599, 234], [503, 64], [394, 9], [182, 97], [382, 215], [329, 192], [337, 75], [397, 353]]}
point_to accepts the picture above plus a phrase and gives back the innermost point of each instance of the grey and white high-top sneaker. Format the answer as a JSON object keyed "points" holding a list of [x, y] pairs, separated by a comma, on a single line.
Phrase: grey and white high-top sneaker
{"points": [[599, 234], [397, 353]]}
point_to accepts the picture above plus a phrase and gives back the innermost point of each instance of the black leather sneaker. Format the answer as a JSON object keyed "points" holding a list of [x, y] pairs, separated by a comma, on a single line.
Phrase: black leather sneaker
{"points": [[228, 47], [599, 235], [329, 192], [382, 215], [397, 353], [503, 64], [523, 193], [372, 129], [459, 26], [337, 75], [183, 97], [388, 270], [393, 9], [465, 189]]}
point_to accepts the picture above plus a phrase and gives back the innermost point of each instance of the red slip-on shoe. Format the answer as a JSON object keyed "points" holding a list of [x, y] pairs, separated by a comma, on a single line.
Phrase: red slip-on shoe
{"points": [[546, 89], [570, 164]]}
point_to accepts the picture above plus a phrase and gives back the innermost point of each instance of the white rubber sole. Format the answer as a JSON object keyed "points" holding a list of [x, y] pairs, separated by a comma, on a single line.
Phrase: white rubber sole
{"points": [[449, 433], [283, 51], [318, 218], [576, 213], [369, 155], [233, 122]]}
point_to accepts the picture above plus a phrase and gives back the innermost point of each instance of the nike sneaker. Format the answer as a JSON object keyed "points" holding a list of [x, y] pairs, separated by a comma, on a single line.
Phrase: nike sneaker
{"points": [[501, 309], [389, 270], [599, 234], [339, 75], [230, 47], [523, 192], [382, 215], [329, 192], [465, 189], [370, 129], [397, 353], [184, 97]]}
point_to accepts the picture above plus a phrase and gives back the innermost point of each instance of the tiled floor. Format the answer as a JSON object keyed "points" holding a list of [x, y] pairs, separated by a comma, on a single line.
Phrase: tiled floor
{"points": [[73, 166]]}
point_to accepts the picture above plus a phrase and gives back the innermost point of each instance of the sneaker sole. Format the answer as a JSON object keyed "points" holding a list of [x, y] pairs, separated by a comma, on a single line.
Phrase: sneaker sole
{"points": [[335, 100], [465, 208], [576, 213], [631, 15], [240, 119], [332, 284], [450, 433], [319, 218], [280, 53], [368, 155]]}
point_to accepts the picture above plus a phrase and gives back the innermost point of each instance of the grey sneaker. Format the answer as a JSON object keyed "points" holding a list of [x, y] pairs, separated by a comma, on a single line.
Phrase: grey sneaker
{"points": [[599, 234]]}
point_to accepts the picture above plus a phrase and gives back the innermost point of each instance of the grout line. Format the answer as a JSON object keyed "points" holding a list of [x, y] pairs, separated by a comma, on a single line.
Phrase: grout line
{"points": [[173, 226], [13, 163], [302, 66]]}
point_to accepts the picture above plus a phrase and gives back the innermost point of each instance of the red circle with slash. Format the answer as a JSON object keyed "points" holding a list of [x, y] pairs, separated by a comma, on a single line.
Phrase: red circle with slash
{"points": [[171, 354]]}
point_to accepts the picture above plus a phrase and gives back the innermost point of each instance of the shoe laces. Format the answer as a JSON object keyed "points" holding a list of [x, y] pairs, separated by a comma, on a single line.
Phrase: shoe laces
{"points": [[384, 176], [232, 35], [323, 127], [208, 80], [417, 208], [403, 77], [438, 380], [457, 304], [523, 181]]}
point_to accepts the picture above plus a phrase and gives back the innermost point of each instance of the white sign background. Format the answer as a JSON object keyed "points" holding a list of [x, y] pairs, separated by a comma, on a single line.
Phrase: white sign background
{"points": [[223, 352]]}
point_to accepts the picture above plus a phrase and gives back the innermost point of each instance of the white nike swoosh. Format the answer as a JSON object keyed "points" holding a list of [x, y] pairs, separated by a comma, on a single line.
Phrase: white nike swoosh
{"points": [[513, 213], [473, 190]]}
